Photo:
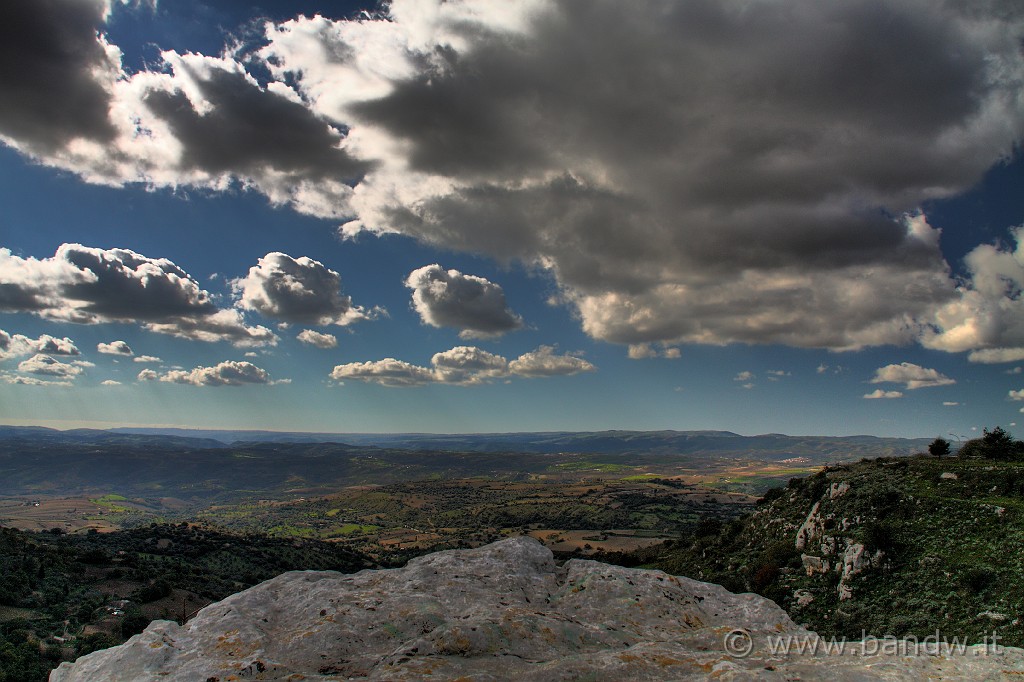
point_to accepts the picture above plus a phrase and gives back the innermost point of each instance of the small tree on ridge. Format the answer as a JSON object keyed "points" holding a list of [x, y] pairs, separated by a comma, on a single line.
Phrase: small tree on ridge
{"points": [[939, 447]]}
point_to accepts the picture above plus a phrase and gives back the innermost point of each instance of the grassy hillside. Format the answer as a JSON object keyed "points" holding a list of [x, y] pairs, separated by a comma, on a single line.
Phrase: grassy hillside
{"points": [[890, 546]]}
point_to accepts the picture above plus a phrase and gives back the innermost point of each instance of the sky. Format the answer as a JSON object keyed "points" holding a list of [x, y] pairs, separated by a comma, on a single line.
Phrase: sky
{"points": [[481, 216]]}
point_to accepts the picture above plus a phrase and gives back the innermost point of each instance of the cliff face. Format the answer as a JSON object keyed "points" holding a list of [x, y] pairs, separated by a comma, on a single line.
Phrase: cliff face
{"points": [[503, 611]]}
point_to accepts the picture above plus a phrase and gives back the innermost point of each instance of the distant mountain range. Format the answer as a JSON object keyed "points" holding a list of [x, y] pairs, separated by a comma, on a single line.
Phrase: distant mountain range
{"points": [[222, 465], [725, 443], [772, 446]]}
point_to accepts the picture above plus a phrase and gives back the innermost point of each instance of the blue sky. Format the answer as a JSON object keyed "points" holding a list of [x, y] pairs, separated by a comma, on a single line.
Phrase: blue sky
{"points": [[805, 226]]}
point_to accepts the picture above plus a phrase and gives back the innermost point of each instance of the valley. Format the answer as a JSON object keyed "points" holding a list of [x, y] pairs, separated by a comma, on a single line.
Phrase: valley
{"points": [[104, 531]]}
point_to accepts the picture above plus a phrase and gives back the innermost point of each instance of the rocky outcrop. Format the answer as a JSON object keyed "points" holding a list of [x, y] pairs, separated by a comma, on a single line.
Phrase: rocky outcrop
{"points": [[504, 611], [849, 557], [811, 528], [837, 490]]}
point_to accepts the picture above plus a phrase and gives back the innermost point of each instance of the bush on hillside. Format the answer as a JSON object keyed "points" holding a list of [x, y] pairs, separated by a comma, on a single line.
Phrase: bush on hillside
{"points": [[996, 444]]}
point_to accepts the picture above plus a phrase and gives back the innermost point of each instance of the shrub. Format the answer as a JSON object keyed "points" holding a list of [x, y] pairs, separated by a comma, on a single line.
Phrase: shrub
{"points": [[133, 623], [94, 642], [977, 578], [764, 576], [708, 527], [158, 589], [879, 535], [770, 495], [994, 444]]}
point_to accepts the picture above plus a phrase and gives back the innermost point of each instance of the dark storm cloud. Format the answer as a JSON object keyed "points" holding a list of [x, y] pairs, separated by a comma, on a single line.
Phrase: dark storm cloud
{"points": [[746, 121], [631, 79], [707, 171], [248, 130], [49, 59]]}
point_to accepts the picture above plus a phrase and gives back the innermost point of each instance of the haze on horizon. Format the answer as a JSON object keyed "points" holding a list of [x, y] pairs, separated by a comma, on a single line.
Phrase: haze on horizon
{"points": [[479, 216]]}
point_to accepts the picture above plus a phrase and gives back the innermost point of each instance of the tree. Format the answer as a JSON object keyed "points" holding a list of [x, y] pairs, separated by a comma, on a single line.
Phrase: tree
{"points": [[939, 447], [1000, 445], [994, 444], [134, 622]]}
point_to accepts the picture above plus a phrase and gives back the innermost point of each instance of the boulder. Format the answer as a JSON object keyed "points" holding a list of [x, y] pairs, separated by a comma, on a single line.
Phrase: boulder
{"points": [[504, 611]]}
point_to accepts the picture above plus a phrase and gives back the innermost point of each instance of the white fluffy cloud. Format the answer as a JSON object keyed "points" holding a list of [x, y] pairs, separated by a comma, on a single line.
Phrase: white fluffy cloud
{"points": [[913, 376], [91, 286], [45, 365], [42, 363], [993, 356], [544, 363], [988, 315], [471, 304], [1017, 395], [386, 372], [147, 358], [687, 171], [115, 348], [317, 339], [644, 351], [299, 290], [17, 345], [227, 373], [464, 366], [879, 394], [468, 365], [19, 380]]}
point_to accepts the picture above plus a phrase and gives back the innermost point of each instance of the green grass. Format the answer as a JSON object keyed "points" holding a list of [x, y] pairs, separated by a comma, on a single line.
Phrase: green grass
{"points": [[589, 466], [108, 502], [351, 529]]}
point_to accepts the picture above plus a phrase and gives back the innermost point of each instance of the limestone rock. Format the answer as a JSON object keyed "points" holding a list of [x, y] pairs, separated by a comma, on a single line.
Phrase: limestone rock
{"points": [[504, 611], [803, 597], [814, 564], [811, 528], [837, 490]]}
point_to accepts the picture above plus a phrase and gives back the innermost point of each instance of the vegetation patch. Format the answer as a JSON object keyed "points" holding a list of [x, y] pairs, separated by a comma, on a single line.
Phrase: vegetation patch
{"points": [[938, 542]]}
